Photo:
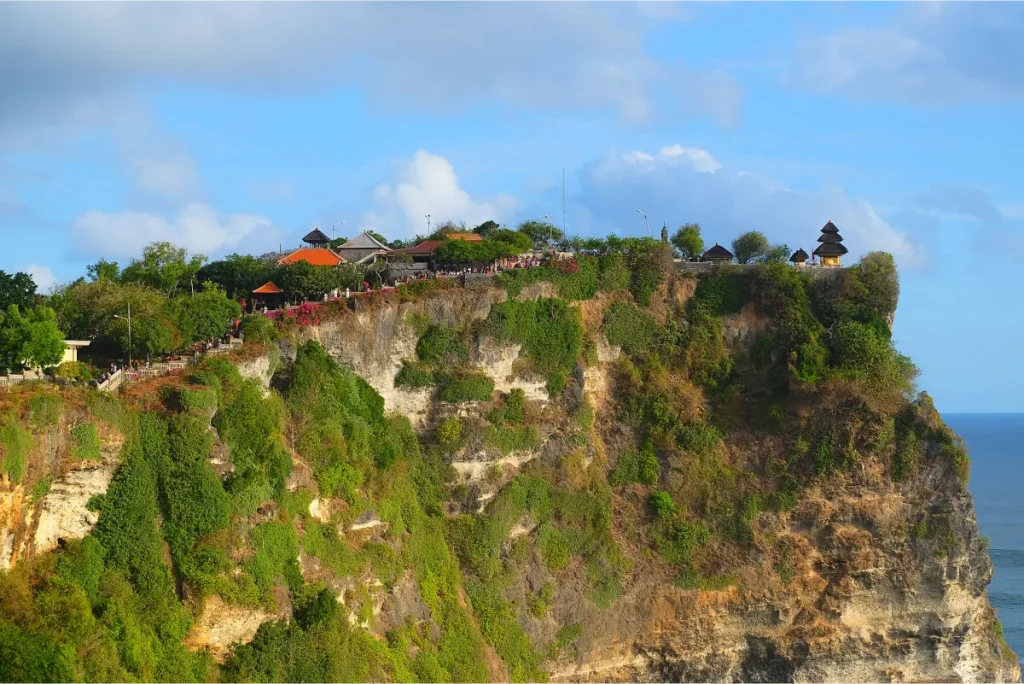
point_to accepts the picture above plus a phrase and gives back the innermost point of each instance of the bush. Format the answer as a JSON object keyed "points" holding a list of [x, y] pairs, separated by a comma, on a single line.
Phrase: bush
{"points": [[200, 399], [74, 370], [85, 443], [441, 345], [17, 442], [460, 386], [699, 438], [614, 272], [258, 329], [46, 410], [415, 375], [662, 505], [510, 439], [512, 412], [637, 466], [630, 327]]}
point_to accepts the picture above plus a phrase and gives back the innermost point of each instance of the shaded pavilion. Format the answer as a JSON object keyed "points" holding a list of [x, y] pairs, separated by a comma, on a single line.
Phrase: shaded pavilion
{"points": [[717, 254], [799, 257], [268, 295]]}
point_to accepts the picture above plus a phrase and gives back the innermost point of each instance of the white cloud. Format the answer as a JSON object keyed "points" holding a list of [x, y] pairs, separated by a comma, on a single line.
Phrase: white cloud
{"points": [[196, 227], [271, 190], [42, 275], [174, 177], [435, 56], [680, 184], [929, 54], [427, 184]]}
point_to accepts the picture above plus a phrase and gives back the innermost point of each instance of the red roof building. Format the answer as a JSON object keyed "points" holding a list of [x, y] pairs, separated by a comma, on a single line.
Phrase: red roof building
{"points": [[318, 256], [268, 288]]}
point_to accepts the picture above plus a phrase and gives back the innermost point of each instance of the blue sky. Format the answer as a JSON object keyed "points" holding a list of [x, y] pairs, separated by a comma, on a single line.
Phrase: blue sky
{"points": [[238, 127]]}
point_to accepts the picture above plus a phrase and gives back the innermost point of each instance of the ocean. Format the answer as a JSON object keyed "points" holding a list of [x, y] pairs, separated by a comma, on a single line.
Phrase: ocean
{"points": [[995, 442]]}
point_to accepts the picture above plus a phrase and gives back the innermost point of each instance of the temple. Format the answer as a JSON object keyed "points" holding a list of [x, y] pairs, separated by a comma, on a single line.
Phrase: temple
{"points": [[718, 253], [363, 247], [831, 248]]}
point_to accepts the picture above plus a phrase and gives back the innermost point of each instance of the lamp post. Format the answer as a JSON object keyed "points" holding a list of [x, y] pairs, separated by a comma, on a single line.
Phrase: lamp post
{"points": [[551, 223], [129, 330], [428, 225], [640, 211]]}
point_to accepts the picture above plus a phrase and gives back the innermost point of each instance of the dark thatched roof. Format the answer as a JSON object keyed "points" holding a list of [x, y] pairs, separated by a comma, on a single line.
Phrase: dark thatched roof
{"points": [[799, 256], [316, 237], [830, 237], [831, 249], [717, 253], [830, 228]]}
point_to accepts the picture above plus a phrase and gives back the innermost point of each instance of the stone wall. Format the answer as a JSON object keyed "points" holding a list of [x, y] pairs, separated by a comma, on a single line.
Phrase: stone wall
{"points": [[706, 266]]}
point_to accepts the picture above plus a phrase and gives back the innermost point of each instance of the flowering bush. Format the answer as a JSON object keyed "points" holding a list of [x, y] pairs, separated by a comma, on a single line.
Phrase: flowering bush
{"points": [[567, 266], [302, 315]]}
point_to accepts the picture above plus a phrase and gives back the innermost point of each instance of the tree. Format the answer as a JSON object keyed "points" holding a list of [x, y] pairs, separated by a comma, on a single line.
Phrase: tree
{"points": [[689, 241], [486, 228], [103, 270], [540, 231], [520, 242], [206, 315], [750, 247], [377, 236], [447, 228], [18, 289], [32, 339], [777, 254], [302, 280], [238, 274], [164, 267]]}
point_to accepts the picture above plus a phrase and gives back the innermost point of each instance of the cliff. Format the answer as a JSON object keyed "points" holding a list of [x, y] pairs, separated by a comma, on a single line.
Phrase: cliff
{"points": [[733, 481]]}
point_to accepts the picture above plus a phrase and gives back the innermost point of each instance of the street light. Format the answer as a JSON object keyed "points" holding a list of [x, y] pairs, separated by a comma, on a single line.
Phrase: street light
{"points": [[129, 330], [428, 225], [645, 222], [551, 223]]}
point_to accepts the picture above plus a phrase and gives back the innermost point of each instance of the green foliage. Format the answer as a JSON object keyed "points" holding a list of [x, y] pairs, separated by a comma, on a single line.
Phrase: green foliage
{"points": [[662, 505], [461, 252], [688, 242], [614, 272], [498, 621], [46, 410], [540, 231], [17, 290], [237, 274], [31, 339], [277, 551], [460, 386], [698, 438], [576, 279], [750, 246], [512, 411], [16, 441], [74, 370], [199, 399], [636, 466], [41, 488], [549, 331], [164, 267], [85, 443], [630, 327], [649, 264], [512, 439], [206, 315], [258, 329], [441, 345]]}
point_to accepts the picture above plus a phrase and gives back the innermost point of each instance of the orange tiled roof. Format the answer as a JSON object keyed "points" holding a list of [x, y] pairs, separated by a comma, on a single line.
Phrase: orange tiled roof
{"points": [[425, 247], [318, 256], [468, 237], [268, 288]]}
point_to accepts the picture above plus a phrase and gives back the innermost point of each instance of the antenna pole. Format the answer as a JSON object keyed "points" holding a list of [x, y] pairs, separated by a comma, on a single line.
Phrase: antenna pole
{"points": [[563, 202]]}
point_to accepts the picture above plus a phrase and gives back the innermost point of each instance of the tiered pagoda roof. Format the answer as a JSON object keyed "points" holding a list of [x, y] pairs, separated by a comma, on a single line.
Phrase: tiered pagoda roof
{"points": [[831, 242]]}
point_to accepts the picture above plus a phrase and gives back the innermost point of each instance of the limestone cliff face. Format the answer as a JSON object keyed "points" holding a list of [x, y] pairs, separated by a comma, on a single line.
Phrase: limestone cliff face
{"points": [[871, 591]]}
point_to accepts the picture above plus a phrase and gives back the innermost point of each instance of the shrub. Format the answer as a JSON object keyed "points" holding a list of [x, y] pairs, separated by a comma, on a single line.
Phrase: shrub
{"points": [[637, 466], [74, 370], [510, 439], [85, 443], [41, 488], [614, 272], [46, 410], [512, 412], [415, 375], [460, 386], [662, 505], [697, 437], [441, 345], [630, 327], [200, 399], [17, 442], [258, 329]]}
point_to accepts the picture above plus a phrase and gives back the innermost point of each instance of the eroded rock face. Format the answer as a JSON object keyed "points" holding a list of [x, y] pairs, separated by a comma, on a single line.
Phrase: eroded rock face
{"points": [[223, 625], [63, 513]]}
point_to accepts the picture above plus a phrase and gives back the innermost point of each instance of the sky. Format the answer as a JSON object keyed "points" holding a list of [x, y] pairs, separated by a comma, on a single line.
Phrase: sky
{"points": [[238, 127]]}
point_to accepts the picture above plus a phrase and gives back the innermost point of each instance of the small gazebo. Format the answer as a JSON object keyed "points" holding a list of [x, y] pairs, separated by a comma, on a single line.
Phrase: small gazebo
{"points": [[269, 295], [799, 258], [718, 253], [831, 248], [316, 238]]}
